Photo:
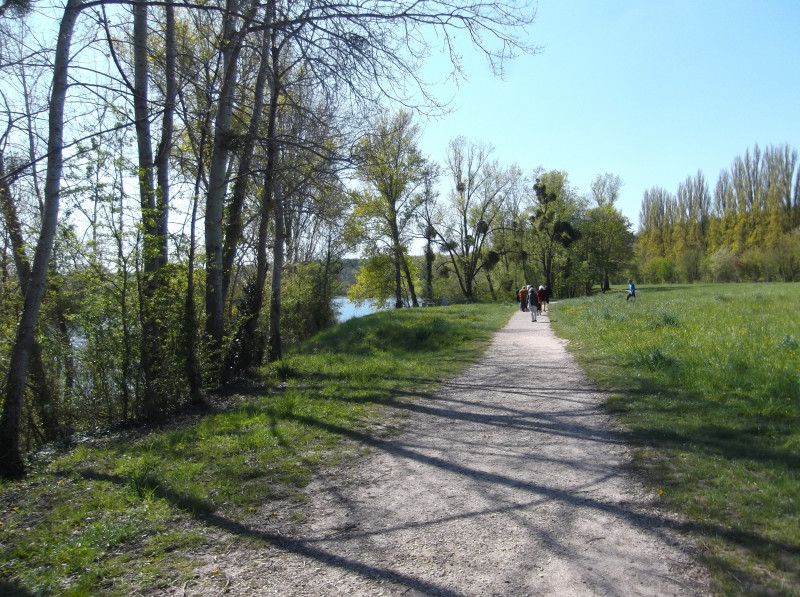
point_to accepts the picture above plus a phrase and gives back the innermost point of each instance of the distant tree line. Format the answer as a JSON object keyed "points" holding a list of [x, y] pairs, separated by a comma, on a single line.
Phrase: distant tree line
{"points": [[746, 229]]}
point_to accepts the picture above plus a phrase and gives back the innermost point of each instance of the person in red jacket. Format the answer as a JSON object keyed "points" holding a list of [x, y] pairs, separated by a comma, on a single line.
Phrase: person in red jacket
{"points": [[542, 294], [523, 298]]}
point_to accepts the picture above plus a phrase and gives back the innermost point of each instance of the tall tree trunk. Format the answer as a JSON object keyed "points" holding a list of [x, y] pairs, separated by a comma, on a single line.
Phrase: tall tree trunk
{"points": [[153, 219], [192, 366], [43, 393], [397, 256], [398, 279], [11, 463], [218, 180], [430, 258], [233, 229], [275, 348], [491, 286], [167, 128], [274, 344], [143, 137]]}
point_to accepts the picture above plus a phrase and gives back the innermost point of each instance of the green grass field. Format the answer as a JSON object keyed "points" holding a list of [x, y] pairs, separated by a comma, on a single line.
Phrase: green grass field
{"points": [[707, 380], [121, 514]]}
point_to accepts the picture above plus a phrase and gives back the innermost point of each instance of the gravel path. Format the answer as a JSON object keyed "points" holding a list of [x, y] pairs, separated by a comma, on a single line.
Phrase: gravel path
{"points": [[510, 481]]}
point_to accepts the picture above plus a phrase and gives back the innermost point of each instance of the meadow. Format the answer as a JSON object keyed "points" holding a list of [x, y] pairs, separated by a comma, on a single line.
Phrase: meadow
{"points": [[123, 512], [706, 380]]}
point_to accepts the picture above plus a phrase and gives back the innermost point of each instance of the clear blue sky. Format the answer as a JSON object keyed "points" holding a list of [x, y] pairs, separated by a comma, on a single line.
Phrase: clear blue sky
{"points": [[649, 91]]}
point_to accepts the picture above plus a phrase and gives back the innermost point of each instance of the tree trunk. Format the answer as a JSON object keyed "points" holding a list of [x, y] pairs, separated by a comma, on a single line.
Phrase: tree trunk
{"points": [[491, 286], [275, 352], [11, 464], [167, 128], [275, 348], [233, 230], [430, 257], [410, 283], [218, 179], [43, 393], [143, 136], [151, 243], [192, 364]]}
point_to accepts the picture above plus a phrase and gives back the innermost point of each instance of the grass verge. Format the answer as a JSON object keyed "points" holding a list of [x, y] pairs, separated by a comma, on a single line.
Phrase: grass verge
{"points": [[121, 515], [707, 380]]}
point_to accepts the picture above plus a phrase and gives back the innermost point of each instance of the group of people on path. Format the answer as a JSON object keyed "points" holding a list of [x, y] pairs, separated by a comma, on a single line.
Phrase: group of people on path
{"points": [[533, 300]]}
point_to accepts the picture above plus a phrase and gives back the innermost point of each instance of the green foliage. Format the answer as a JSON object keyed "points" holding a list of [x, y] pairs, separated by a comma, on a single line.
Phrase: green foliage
{"points": [[753, 216], [707, 377], [553, 229], [659, 270], [375, 280], [306, 305], [124, 514]]}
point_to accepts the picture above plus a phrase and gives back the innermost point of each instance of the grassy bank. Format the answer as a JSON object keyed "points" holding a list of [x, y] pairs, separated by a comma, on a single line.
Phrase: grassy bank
{"points": [[707, 380], [121, 514]]}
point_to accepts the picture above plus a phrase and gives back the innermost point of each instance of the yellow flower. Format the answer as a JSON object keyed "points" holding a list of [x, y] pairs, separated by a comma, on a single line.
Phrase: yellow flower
{"points": [[660, 492], [252, 509]]}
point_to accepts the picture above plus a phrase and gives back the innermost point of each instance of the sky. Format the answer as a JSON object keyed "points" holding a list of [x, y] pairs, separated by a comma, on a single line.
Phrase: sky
{"points": [[651, 91]]}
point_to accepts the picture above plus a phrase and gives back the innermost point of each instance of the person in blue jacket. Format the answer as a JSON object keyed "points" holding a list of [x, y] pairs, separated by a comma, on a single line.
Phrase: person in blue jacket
{"points": [[632, 291]]}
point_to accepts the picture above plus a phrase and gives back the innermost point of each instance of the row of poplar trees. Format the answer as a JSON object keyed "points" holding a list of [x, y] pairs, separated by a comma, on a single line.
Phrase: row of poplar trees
{"points": [[746, 228], [174, 178]]}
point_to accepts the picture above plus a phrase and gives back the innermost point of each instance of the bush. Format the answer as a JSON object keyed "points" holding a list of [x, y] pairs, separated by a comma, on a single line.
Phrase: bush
{"points": [[658, 270], [721, 266]]}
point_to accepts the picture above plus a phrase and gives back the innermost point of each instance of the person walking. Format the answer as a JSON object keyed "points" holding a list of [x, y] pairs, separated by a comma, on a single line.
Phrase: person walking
{"points": [[533, 303], [523, 298], [542, 296], [631, 290]]}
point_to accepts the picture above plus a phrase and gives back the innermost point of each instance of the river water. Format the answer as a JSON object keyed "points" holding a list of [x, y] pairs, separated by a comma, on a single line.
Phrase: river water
{"points": [[348, 309]]}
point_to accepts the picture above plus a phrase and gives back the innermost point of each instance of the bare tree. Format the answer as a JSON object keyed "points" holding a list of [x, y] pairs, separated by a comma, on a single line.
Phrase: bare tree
{"points": [[605, 189], [477, 200]]}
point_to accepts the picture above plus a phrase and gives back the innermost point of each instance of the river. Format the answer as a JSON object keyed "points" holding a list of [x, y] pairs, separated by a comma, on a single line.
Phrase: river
{"points": [[348, 309]]}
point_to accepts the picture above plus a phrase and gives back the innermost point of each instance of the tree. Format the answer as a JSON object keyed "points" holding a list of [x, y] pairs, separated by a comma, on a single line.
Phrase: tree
{"points": [[238, 15], [11, 464], [555, 211], [354, 54], [360, 53], [477, 204], [609, 241], [606, 231], [375, 280], [605, 189], [391, 167]]}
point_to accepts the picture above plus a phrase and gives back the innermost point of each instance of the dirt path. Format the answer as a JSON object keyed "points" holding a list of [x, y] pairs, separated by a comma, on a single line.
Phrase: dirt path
{"points": [[511, 481]]}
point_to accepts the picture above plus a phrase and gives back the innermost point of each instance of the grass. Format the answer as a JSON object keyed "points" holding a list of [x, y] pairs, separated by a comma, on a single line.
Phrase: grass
{"points": [[122, 514], [707, 380]]}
